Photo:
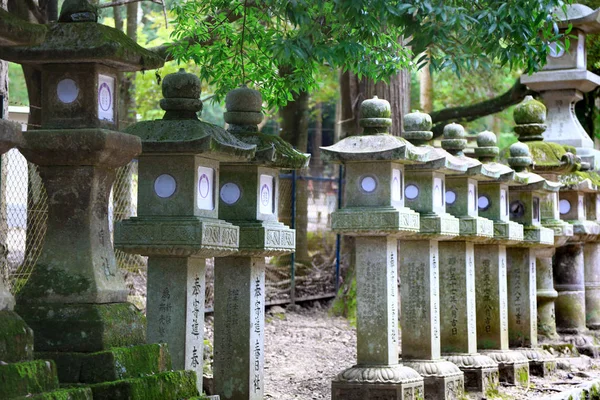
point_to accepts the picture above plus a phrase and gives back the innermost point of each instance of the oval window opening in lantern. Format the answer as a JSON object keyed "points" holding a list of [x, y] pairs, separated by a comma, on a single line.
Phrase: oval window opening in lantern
{"points": [[517, 209], [368, 184], [165, 185], [230, 193], [450, 197], [411, 192], [564, 206], [67, 91], [483, 202]]}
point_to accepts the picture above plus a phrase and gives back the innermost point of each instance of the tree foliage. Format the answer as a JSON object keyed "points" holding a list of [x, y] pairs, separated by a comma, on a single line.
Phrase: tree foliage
{"points": [[279, 46]]}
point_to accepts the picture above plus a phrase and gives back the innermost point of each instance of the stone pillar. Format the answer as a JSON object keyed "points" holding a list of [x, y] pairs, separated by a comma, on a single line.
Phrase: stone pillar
{"points": [[239, 327], [591, 256], [492, 311], [546, 294], [175, 309], [458, 317], [569, 283], [522, 304], [420, 319]]}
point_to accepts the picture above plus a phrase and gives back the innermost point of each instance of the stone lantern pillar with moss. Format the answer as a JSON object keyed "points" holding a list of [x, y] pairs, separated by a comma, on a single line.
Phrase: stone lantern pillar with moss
{"points": [[248, 198], [177, 225], [457, 267], [425, 190], [375, 214]]}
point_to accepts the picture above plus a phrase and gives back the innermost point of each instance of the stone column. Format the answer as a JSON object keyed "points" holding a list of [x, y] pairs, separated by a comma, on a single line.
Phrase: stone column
{"points": [[522, 304], [569, 283], [458, 317], [377, 328], [591, 253], [546, 294], [420, 319], [239, 327], [492, 311], [175, 309]]}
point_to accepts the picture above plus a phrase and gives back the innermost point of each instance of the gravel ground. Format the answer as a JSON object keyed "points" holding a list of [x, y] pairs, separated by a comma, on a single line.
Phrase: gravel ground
{"points": [[306, 347]]}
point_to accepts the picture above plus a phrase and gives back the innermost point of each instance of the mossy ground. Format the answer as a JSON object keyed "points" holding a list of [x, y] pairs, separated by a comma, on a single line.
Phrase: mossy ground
{"points": [[164, 386]]}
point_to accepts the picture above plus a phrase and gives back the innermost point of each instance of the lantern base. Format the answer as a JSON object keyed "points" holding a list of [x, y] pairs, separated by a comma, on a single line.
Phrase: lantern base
{"points": [[394, 382]]}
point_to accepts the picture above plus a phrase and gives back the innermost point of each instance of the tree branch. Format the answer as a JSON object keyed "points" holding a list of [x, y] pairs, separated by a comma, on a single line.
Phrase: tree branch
{"points": [[124, 2], [462, 114]]}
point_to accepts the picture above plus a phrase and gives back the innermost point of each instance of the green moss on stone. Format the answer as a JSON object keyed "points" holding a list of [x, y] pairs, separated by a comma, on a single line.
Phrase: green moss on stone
{"points": [[17, 30], [523, 377], [546, 153], [16, 338], [285, 156], [164, 386], [20, 379], [61, 394], [55, 281]]}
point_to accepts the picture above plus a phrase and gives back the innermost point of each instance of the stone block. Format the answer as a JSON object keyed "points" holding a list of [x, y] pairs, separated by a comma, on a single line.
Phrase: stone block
{"points": [[20, 379], [60, 394], [508, 232], [378, 383], [172, 385], [481, 372], [365, 221], [83, 327], [513, 366], [442, 379], [476, 227], [541, 362], [111, 365], [16, 338]]}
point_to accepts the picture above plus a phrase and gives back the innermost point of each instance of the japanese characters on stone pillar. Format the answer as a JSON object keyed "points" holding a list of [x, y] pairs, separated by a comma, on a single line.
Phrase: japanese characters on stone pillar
{"points": [[525, 208], [375, 213], [177, 225], [565, 78], [75, 293], [457, 267], [592, 263], [425, 192], [248, 198], [490, 271]]}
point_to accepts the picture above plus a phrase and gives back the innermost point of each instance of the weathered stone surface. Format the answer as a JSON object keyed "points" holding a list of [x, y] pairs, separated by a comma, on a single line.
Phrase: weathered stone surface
{"points": [[16, 338], [20, 379], [110, 365], [569, 280], [393, 382], [480, 371], [239, 327], [522, 302], [442, 379], [164, 386], [541, 362], [175, 309], [60, 394], [592, 284], [83, 327], [546, 294], [15, 31], [513, 366]]}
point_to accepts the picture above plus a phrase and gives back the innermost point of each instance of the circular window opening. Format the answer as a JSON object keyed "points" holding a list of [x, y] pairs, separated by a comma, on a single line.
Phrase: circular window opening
{"points": [[165, 186], [556, 50], [368, 184], [483, 202], [517, 209], [67, 91], [230, 193], [411, 192], [450, 197], [564, 206]]}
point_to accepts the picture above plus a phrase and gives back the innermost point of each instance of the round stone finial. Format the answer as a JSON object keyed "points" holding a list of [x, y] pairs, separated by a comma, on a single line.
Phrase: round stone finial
{"points": [[529, 117], [244, 109], [374, 116], [78, 11], [417, 128], [487, 149], [181, 91], [454, 140], [520, 157]]}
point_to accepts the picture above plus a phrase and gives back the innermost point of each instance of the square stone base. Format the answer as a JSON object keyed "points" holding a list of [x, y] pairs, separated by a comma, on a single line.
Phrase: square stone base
{"points": [[481, 379], [376, 391], [443, 380], [513, 366], [83, 327], [544, 368]]}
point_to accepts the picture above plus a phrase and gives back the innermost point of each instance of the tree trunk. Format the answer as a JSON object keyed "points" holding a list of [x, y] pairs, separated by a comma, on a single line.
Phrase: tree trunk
{"points": [[294, 129], [353, 91], [316, 164], [426, 89]]}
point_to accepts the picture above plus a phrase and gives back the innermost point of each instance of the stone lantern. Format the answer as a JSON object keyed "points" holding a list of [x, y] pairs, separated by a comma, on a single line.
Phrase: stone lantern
{"points": [[177, 225], [375, 214], [565, 78], [420, 266], [490, 274], [248, 198], [457, 267], [526, 208], [592, 257]]}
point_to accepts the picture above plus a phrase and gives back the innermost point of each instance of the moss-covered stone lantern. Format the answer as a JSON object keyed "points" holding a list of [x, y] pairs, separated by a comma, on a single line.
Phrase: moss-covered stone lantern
{"points": [[420, 266], [248, 198], [490, 273], [177, 225], [78, 149], [457, 267], [375, 214]]}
